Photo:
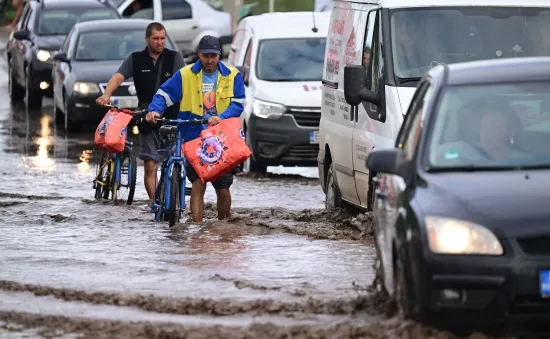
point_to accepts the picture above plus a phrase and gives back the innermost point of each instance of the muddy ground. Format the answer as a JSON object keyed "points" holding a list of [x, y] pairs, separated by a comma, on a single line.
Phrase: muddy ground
{"points": [[70, 266]]}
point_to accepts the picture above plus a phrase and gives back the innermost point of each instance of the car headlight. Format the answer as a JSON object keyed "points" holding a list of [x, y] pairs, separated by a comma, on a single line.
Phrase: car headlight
{"points": [[452, 236], [43, 55], [267, 110], [86, 88]]}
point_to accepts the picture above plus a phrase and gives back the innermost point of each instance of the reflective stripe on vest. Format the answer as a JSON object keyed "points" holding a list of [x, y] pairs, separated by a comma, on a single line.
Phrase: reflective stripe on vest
{"points": [[192, 102]]}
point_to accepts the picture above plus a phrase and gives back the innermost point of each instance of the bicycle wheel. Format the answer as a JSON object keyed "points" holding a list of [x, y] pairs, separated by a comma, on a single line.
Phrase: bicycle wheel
{"points": [[161, 214], [123, 191], [102, 182], [175, 211]]}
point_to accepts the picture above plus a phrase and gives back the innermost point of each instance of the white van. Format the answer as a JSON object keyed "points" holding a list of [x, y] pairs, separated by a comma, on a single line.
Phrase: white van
{"points": [[377, 50], [280, 56], [187, 21]]}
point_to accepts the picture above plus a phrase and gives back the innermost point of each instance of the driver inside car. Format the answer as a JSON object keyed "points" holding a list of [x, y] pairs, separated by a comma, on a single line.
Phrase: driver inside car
{"points": [[486, 133]]}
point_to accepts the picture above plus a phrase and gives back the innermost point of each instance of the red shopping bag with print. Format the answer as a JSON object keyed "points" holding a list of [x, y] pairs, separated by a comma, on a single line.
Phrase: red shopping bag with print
{"points": [[218, 150], [110, 134]]}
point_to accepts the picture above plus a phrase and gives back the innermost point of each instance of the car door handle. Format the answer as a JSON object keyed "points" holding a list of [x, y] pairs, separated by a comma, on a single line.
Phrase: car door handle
{"points": [[195, 27]]}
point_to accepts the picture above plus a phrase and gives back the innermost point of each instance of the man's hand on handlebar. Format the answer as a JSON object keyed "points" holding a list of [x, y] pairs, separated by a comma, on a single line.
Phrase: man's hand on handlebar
{"points": [[103, 100], [214, 120], [151, 116]]}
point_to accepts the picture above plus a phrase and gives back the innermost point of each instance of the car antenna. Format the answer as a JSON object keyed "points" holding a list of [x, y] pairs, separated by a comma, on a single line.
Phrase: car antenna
{"points": [[314, 29]]}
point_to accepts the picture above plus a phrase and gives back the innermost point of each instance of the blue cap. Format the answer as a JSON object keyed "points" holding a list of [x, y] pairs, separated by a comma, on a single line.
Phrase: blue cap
{"points": [[210, 44]]}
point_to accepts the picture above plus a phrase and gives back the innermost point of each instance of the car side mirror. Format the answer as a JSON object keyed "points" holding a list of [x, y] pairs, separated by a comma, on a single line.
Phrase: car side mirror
{"points": [[244, 72], [21, 35], [62, 57], [356, 91], [389, 161]]}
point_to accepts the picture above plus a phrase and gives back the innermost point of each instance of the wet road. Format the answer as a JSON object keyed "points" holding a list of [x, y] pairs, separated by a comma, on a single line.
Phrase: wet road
{"points": [[73, 267]]}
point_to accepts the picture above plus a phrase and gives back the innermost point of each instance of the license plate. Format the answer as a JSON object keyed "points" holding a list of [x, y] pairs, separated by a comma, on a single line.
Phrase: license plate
{"points": [[545, 283], [314, 137], [125, 102]]}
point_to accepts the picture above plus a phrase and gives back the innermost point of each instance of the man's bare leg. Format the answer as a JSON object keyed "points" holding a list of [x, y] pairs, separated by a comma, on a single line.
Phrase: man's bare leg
{"points": [[197, 200], [224, 203], [150, 177]]}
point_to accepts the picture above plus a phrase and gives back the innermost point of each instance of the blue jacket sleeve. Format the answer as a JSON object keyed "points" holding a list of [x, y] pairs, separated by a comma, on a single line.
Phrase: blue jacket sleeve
{"points": [[169, 93], [237, 102]]}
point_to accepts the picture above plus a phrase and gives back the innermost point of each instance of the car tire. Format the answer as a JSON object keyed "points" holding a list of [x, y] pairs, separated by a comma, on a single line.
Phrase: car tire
{"points": [[67, 123], [58, 115], [34, 98], [250, 165], [17, 92], [333, 197], [400, 294]]}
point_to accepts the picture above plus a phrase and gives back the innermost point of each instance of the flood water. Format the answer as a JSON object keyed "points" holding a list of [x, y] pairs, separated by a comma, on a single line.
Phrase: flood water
{"points": [[71, 266]]}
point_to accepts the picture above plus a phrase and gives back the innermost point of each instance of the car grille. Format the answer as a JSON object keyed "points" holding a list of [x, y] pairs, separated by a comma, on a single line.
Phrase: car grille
{"points": [[121, 91], [535, 246], [305, 116], [302, 152]]}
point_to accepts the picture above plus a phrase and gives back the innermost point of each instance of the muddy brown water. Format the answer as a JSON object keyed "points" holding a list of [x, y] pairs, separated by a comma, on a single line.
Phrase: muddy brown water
{"points": [[72, 267]]}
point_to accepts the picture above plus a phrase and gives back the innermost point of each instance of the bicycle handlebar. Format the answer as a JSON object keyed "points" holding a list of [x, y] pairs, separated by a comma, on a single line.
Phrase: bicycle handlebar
{"points": [[180, 121], [136, 114]]}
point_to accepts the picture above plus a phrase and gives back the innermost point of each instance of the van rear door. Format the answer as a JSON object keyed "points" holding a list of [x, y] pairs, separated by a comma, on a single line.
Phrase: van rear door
{"points": [[336, 126]]}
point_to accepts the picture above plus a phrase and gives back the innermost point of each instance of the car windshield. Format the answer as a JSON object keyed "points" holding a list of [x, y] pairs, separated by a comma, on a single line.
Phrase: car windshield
{"points": [[60, 21], [492, 125], [423, 38], [291, 59], [111, 45]]}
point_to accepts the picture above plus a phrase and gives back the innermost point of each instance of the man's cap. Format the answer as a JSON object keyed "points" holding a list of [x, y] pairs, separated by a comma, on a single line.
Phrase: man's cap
{"points": [[210, 44]]}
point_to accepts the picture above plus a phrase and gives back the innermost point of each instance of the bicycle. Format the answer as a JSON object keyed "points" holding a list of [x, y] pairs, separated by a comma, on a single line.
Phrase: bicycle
{"points": [[169, 199], [112, 167]]}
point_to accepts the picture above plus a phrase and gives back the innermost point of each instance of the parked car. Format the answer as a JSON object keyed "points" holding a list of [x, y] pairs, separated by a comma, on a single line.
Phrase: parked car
{"points": [[461, 206], [92, 52], [397, 41], [41, 30], [282, 71], [187, 21]]}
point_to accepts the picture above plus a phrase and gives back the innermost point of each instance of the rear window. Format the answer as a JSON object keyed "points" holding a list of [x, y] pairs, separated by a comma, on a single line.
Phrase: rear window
{"points": [[60, 21], [111, 45]]}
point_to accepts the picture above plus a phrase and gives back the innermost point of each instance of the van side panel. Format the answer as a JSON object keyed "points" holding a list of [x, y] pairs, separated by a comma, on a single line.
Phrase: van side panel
{"points": [[336, 126]]}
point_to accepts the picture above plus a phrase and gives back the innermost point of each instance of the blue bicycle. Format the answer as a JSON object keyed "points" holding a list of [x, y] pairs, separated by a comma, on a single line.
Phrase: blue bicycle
{"points": [[169, 200]]}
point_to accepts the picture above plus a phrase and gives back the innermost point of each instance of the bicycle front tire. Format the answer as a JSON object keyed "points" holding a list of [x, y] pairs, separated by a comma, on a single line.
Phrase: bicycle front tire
{"points": [[175, 212], [104, 176]]}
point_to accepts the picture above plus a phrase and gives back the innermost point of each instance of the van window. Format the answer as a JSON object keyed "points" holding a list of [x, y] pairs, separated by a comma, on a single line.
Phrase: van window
{"points": [[176, 9], [426, 37], [248, 55], [291, 59]]}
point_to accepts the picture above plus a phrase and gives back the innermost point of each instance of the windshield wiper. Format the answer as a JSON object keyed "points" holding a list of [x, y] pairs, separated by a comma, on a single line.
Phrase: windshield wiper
{"points": [[471, 168], [474, 168], [405, 80]]}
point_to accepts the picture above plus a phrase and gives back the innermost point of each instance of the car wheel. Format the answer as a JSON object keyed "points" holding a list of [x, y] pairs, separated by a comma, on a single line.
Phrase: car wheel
{"points": [[57, 112], [250, 165], [400, 295], [333, 197], [34, 98], [17, 93], [67, 122]]}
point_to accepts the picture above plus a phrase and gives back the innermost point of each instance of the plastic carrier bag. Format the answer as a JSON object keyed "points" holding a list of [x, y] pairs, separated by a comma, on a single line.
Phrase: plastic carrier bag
{"points": [[218, 150], [110, 134]]}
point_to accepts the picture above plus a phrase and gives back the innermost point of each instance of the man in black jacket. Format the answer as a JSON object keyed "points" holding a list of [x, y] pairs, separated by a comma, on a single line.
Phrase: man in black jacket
{"points": [[150, 68]]}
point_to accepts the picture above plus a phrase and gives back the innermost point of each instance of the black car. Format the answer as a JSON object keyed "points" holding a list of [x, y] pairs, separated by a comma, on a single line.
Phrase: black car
{"points": [[92, 52], [41, 30], [462, 216]]}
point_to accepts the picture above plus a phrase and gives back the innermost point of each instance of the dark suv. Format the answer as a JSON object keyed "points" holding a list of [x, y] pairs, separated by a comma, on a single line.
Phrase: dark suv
{"points": [[39, 34]]}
